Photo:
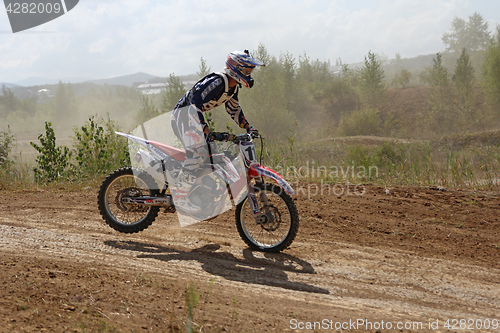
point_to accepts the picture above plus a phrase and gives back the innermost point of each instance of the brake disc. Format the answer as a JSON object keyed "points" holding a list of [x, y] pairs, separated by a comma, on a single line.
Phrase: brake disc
{"points": [[272, 218]]}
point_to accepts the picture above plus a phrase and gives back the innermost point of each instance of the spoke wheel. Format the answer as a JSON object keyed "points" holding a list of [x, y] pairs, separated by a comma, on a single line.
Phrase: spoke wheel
{"points": [[124, 217], [279, 224]]}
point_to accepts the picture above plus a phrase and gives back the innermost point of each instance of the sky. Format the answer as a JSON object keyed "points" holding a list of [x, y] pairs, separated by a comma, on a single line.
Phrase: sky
{"points": [[106, 38]]}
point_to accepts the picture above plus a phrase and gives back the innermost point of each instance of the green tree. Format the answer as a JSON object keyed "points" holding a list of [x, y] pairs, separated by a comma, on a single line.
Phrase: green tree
{"points": [[28, 105], [53, 163], [8, 170], [438, 74], [371, 81], [147, 110], [173, 93], [287, 63], [441, 115], [398, 62], [265, 105], [473, 35], [402, 79], [346, 92], [463, 78], [8, 102], [491, 73], [6, 143], [64, 102], [204, 69], [316, 87]]}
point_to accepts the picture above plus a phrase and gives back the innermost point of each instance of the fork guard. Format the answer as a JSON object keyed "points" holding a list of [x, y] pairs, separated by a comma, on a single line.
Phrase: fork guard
{"points": [[257, 170]]}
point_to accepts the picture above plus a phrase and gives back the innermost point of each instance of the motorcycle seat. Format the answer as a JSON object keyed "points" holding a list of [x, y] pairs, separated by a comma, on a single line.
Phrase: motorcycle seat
{"points": [[176, 153]]}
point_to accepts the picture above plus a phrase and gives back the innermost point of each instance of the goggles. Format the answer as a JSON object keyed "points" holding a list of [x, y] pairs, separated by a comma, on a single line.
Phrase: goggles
{"points": [[246, 71]]}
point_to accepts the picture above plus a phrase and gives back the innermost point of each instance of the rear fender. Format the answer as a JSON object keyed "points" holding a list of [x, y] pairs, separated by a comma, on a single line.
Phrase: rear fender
{"points": [[257, 170], [137, 139], [146, 144]]}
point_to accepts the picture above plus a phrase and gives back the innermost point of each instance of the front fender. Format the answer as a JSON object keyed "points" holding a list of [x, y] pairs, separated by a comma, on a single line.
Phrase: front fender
{"points": [[257, 170]]}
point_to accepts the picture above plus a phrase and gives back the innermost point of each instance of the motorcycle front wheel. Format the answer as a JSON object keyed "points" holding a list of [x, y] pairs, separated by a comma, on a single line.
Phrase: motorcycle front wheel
{"points": [[280, 225], [127, 182]]}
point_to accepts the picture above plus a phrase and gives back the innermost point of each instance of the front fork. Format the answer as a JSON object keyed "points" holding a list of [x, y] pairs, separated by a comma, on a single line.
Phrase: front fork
{"points": [[258, 215]]}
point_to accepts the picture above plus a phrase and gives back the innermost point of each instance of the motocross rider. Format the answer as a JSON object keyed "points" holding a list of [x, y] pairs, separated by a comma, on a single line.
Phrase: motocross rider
{"points": [[189, 124]]}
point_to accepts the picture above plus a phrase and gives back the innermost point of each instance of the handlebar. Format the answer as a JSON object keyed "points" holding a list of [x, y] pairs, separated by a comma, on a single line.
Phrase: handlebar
{"points": [[237, 138], [245, 137]]}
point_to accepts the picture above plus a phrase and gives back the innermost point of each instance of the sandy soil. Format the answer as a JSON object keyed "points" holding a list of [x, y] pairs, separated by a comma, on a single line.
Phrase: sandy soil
{"points": [[411, 258]]}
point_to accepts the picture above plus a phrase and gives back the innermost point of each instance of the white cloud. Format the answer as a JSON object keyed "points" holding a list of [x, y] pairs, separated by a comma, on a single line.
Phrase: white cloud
{"points": [[117, 37], [100, 46]]}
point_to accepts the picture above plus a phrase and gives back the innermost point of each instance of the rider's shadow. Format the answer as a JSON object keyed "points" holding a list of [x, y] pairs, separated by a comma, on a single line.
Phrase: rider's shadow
{"points": [[270, 270]]}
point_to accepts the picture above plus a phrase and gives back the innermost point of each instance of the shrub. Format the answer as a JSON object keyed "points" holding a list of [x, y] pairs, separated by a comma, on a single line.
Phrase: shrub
{"points": [[7, 170], [53, 162], [361, 122], [388, 155], [359, 156], [6, 140], [98, 149], [402, 79]]}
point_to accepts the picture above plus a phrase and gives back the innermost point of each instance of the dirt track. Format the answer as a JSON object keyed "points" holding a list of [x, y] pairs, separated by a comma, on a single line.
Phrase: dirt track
{"points": [[406, 257]]}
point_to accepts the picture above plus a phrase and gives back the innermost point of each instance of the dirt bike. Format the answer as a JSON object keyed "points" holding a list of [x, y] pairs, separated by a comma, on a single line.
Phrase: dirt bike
{"points": [[267, 219]]}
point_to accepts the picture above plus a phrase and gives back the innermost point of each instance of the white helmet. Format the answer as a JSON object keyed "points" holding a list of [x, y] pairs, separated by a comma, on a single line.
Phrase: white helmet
{"points": [[239, 66]]}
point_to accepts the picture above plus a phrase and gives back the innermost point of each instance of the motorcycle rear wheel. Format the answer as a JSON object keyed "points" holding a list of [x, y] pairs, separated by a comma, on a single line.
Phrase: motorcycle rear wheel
{"points": [[127, 218], [281, 227]]}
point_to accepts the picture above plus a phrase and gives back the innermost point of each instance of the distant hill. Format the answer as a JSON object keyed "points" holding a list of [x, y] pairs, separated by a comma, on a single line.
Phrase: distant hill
{"points": [[125, 80], [419, 62], [40, 81], [8, 85]]}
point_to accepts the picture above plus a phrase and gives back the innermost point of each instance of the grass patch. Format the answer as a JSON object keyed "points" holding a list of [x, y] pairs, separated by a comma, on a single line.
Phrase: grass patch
{"points": [[455, 162]]}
